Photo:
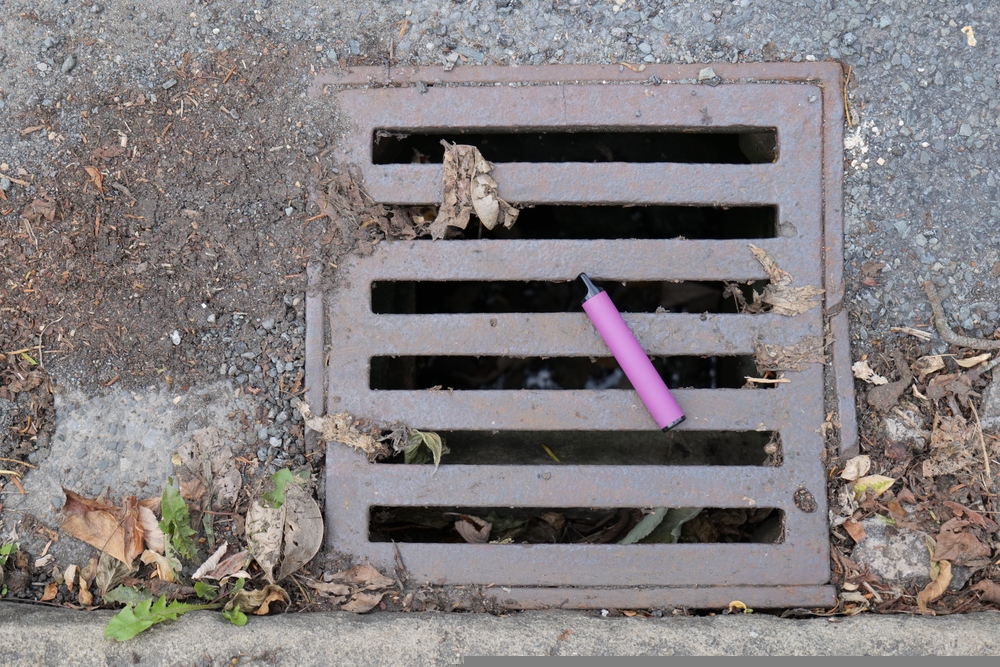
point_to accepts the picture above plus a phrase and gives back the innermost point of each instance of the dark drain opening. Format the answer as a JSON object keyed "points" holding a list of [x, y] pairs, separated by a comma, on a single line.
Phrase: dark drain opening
{"points": [[740, 146], [632, 448], [761, 525], [632, 222], [486, 372], [427, 297]]}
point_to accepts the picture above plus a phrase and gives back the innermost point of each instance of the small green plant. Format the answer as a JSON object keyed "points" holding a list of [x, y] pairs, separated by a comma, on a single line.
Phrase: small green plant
{"points": [[424, 446], [204, 591], [132, 620], [235, 615], [177, 522], [6, 551], [276, 498]]}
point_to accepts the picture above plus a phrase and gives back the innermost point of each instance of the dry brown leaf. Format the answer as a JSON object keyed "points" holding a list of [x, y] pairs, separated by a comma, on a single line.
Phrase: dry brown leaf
{"points": [[264, 529], [953, 447], [924, 366], [110, 573], [303, 535], [363, 602], [863, 371], [69, 576], [42, 208], [935, 588], [211, 563], [340, 428], [990, 591], [975, 517], [96, 177], [361, 574], [328, 589], [155, 540], [973, 361], [958, 545], [779, 293], [474, 535], [51, 589], [856, 468], [113, 530], [164, 568], [467, 188], [230, 566], [270, 599], [84, 596], [855, 530], [209, 443]]}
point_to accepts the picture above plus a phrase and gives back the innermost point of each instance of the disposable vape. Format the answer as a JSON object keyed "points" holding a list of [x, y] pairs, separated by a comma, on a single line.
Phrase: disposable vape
{"points": [[630, 356]]}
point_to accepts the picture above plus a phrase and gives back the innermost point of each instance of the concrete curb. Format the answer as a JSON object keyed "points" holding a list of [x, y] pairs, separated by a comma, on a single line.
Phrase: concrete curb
{"points": [[33, 636]]}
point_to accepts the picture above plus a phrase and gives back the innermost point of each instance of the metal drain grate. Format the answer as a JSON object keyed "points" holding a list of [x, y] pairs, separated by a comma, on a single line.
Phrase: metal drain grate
{"points": [[801, 104]]}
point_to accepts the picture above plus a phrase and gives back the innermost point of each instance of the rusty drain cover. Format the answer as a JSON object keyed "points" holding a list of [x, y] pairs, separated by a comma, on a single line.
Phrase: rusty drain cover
{"points": [[791, 115]]}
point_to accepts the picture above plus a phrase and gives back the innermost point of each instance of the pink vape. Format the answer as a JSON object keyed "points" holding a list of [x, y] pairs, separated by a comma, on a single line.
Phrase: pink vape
{"points": [[630, 356]]}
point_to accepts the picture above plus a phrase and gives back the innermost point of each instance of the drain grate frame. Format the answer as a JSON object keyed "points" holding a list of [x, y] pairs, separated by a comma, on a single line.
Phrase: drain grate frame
{"points": [[802, 102]]}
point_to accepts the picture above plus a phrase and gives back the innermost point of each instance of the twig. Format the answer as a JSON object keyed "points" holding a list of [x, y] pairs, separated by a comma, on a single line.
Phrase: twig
{"points": [[23, 463], [41, 360], [946, 332], [982, 443], [847, 109], [767, 380], [916, 333]]}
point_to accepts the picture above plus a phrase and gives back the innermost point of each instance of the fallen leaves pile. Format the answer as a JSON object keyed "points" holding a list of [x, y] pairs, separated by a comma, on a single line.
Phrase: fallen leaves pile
{"points": [[934, 480], [159, 565]]}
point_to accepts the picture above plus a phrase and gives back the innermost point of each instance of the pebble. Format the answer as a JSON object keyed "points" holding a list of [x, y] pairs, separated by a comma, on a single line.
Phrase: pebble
{"points": [[706, 73], [169, 83], [268, 323], [68, 64], [5, 184], [175, 337], [211, 318], [275, 442], [262, 434]]}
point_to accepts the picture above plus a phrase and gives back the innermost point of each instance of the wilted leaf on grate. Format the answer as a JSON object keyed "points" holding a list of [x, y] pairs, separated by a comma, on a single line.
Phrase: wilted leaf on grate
{"points": [[473, 529], [662, 526], [340, 428], [779, 293], [468, 187], [424, 446], [863, 371]]}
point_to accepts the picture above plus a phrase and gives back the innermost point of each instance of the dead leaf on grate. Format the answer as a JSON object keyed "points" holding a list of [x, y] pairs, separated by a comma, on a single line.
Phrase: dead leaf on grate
{"points": [[264, 528], [779, 293], [340, 428], [957, 545], [863, 371], [989, 590], [110, 573], [776, 358], [468, 187]]}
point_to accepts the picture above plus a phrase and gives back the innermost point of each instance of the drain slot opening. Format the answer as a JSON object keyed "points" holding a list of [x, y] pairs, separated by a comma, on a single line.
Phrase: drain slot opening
{"points": [[487, 372], [762, 525], [429, 297], [728, 146], [631, 448]]}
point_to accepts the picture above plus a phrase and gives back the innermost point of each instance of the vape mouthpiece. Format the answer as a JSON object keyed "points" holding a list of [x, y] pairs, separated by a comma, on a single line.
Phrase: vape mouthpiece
{"points": [[590, 289]]}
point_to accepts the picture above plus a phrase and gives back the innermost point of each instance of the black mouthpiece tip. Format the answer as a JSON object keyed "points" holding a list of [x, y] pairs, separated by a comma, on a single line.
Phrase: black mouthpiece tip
{"points": [[673, 424], [590, 289]]}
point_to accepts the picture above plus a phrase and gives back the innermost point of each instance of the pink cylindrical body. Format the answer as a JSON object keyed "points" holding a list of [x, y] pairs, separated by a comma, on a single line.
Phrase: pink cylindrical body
{"points": [[633, 360]]}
